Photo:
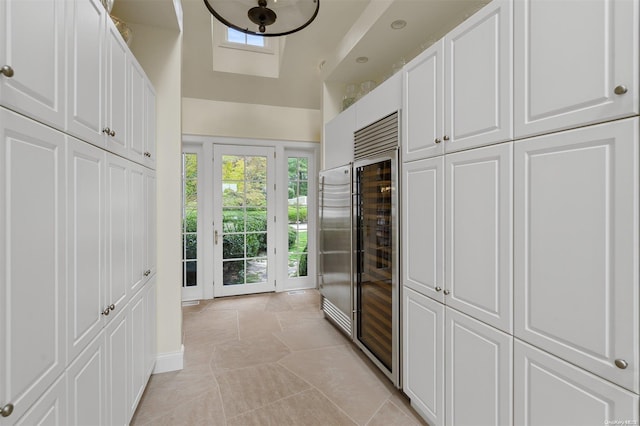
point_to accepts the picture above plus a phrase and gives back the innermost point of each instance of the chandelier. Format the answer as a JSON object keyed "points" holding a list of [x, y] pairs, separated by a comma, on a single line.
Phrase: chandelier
{"points": [[267, 18]]}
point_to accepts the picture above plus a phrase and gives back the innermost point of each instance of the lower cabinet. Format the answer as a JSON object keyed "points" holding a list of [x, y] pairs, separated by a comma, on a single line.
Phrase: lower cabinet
{"points": [[51, 408], [549, 391], [118, 354]]}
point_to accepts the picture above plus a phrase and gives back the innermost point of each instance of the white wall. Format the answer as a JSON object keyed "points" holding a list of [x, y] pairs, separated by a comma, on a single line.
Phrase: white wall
{"points": [[229, 119], [159, 51]]}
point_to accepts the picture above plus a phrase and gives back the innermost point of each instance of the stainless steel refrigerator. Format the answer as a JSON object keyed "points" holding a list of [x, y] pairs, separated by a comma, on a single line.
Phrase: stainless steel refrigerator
{"points": [[335, 246]]}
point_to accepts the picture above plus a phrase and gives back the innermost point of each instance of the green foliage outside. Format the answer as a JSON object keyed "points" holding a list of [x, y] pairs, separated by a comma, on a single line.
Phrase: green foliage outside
{"points": [[297, 214]]}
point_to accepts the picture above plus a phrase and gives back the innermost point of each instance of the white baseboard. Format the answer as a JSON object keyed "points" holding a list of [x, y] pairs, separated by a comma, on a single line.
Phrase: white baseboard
{"points": [[171, 361]]}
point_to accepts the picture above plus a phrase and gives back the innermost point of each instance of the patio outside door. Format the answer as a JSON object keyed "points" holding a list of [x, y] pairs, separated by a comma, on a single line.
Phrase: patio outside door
{"points": [[244, 216]]}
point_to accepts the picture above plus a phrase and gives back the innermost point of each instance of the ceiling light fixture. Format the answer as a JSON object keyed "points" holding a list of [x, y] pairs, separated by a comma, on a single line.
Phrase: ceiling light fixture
{"points": [[362, 59], [267, 18], [398, 24]]}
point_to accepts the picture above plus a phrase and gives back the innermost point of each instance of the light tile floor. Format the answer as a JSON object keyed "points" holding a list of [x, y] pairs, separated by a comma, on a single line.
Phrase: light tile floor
{"points": [[270, 359]]}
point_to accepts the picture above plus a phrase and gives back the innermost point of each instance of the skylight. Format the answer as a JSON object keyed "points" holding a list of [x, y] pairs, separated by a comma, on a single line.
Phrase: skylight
{"points": [[235, 36]]}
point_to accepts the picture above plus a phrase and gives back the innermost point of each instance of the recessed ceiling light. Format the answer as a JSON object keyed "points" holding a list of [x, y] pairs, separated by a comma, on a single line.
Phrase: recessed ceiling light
{"points": [[362, 59], [398, 24]]}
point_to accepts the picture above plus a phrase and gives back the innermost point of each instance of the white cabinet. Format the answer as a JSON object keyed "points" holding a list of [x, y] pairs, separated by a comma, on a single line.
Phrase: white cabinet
{"points": [[479, 79], [51, 408], [549, 391], [479, 249], [150, 220], [423, 355], [457, 93], [380, 102], [423, 226], [137, 108], [35, 52], [86, 171], [150, 125], [116, 95], [137, 227], [86, 76], [32, 260], [570, 59], [576, 247], [478, 372], [137, 330], [117, 370], [423, 101], [338, 139], [87, 385], [150, 334], [118, 249]]}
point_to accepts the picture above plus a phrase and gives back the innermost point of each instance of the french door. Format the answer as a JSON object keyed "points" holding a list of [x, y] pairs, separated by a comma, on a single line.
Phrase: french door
{"points": [[243, 219]]}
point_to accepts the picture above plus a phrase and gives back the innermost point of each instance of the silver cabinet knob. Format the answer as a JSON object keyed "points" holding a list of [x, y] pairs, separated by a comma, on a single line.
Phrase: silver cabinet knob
{"points": [[7, 71], [6, 410], [621, 364], [446, 292], [438, 288], [437, 140], [106, 131], [446, 138], [147, 272], [106, 311], [147, 154], [112, 133], [620, 90], [112, 307]]}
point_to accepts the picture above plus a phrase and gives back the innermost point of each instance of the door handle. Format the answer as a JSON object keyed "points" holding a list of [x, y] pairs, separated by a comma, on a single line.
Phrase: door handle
{"points": [[215, 237]]}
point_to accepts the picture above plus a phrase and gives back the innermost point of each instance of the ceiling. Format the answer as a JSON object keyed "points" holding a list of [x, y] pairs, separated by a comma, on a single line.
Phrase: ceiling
{"points": [[324, 51]]}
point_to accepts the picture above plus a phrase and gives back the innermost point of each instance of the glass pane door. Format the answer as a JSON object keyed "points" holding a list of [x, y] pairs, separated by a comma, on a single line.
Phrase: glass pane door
{"points": [[243, 220]]}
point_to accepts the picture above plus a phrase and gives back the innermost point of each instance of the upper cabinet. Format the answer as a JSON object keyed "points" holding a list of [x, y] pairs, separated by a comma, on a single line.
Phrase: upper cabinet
{"points": [[150, 125], [32, 78], [573, 71], [458, 93], [380, 102], [338, 139]]}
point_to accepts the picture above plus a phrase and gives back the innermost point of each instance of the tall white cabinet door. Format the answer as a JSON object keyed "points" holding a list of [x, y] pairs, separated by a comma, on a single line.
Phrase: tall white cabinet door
{"points": [[549, 391], [150, 125], [576, 247], [117, 232], [32, 260], [86, 70], [117, 63], [150, 258], [478, 86], [150, 335], [423, 226], [32, 44], [51, 408], [423, 106], [136, 111], [137, 330], [478, 377], [117, 361], [479, 229], [423, 355], [87, 385], [338, 139], [137, 227], [567, 70], [86, 170]]}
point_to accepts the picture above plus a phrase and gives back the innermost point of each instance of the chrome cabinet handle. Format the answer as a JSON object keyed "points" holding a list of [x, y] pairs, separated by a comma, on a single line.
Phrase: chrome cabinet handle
{"points": [[112, 133], [106, 131], [446, 292], [437, 140], [7, 71], [621, 364], [112, 307], [446, 138], [6, 410], [620, 90], [147, 272], [438, 288], [106, 311]]}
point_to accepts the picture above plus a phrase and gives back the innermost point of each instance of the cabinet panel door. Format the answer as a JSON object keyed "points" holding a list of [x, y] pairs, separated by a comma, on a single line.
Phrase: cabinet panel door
{"points": [[86, 70], [86, 171], [150, 222], [576, 247], [479, 380], [423, 355], [422, 115], [380, 102], [150, 334], [136, 110], [549, 391], [137, 330], [478, 93], [150, 125], [117, 232], [117, 352], [32, 259], [137, 227], [51, 408], [37, 87], [423, 226], [338, 139], [479, 223], [117, 63], [87, 387], [567, 69]]}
